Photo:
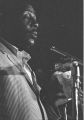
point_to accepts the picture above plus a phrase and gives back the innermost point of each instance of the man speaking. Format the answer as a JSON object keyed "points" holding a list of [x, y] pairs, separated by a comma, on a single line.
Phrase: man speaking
{"points": [[19, 91]]}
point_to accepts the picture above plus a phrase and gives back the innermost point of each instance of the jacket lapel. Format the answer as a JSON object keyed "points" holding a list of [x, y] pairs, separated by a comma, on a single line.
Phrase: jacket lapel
{"points": [[12, 58]]}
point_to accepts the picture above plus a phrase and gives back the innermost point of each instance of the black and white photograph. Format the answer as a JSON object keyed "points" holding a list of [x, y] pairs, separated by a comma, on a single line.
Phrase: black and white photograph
{"points": [[41, 59]]}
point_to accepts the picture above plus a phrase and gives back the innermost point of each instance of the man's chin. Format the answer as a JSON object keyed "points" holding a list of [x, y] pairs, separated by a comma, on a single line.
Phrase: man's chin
{"points": [[31, 42]]}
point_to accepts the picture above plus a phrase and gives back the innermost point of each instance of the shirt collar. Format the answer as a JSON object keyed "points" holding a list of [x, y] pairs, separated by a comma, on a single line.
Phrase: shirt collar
{"points": [[23, 56]]}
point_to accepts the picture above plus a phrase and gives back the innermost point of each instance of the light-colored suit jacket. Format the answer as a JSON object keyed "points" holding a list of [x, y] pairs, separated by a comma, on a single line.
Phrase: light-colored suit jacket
{"points": [[17, 99]]}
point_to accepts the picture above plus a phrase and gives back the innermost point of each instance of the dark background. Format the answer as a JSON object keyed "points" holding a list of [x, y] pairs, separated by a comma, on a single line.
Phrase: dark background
{"points": [[61, 24]]}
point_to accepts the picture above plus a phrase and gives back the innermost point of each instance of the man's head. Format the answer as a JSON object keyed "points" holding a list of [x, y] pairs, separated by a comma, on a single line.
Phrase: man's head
{"points": [[30, 23], [19, 24]]}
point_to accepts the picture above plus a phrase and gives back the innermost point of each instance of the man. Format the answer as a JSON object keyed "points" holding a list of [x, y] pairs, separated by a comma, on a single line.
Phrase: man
{"points": [[19, 91]]}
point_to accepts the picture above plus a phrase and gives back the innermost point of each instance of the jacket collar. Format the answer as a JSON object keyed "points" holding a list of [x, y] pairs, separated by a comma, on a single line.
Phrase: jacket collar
{"points": [[22, 56]]}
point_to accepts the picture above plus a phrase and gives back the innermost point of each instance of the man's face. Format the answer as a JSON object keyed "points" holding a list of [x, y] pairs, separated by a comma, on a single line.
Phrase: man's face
{"points": [[31, 25]]}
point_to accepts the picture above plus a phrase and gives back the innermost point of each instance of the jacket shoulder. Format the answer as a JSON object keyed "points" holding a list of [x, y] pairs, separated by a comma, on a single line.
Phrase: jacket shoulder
{"points": [[4, 61]]}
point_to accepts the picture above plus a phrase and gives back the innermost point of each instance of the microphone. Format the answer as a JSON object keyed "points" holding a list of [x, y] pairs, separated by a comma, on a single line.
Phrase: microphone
{"points": [[65, 54]]}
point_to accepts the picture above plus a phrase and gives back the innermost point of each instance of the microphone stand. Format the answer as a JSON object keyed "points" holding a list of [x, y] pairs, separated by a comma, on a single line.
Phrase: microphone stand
{"points": [[76, 86], [76, 81]]}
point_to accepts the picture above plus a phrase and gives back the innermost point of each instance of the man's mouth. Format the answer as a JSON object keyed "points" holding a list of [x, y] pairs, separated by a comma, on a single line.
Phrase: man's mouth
{"points": [[34, 34]]}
